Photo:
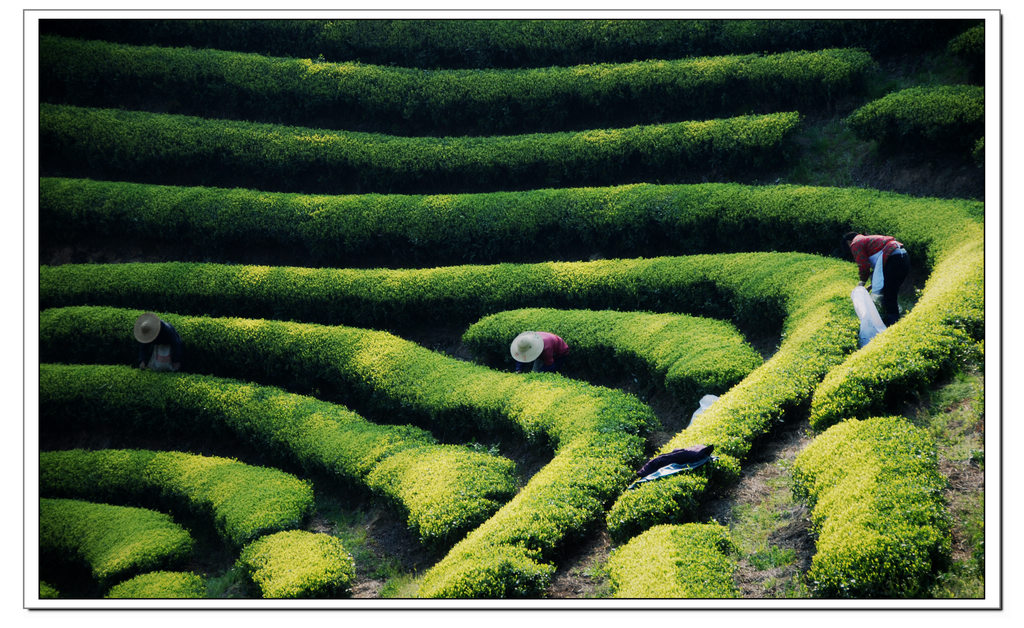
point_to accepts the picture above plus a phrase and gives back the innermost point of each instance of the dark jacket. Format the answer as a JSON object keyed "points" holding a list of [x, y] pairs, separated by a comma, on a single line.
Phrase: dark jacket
{"points": [[167, 336]]}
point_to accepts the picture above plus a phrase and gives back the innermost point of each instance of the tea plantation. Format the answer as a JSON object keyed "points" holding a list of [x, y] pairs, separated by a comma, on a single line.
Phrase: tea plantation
{"points": [[348, 221]]}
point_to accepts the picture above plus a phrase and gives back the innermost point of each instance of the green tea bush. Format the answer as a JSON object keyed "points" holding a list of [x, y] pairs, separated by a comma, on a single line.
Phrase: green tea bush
{"points": [[299, 564], [876, 495], [514, 43], [687, 355], [174, 149], [978, 152], [160, 585], [970, 46], [751, 289], [115, 542], [407, 101], [673, 499], [244, 501], [690, 561], [947, 117], [443, 490], [373, 230]]}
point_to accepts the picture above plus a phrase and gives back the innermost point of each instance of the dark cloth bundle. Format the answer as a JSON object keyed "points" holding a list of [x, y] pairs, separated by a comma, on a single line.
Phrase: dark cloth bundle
{"points": [[677, 456]]}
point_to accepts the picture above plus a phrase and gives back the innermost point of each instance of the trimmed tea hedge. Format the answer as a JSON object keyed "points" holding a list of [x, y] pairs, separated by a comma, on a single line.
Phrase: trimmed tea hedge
{"points": [[875, 490], [406, 101], [443, 489], [751, 289], [687, 561], [244, 501], [948, 117], [160, 585], [689, 356], [536, 225], [114, 541], [175, 149], [673, 499], [299, 564], [970, 46], [515, 43]]}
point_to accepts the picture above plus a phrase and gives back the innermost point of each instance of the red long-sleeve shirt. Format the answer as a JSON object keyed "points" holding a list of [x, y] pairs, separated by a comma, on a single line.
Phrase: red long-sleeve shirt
{"points": [[864, 246], [554, 347]]}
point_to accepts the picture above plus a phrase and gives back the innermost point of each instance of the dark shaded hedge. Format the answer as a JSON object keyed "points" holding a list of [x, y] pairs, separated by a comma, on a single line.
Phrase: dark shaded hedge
{"points": [[515, 43], [944, 117], [970, 46], [406, 101], [183, 150]]}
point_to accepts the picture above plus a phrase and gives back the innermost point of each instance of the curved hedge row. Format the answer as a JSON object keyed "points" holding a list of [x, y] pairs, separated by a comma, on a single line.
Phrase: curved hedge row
{"points": [[406, 101], [175, 149], [947, 117], [515, 43], [970, 46], [687, 561], [114, 541], [875, 490], [689, 356], [299, 564], [443, 490], [672, 499], [750, 289], [244, 501], [431, 230], [160, 585]]}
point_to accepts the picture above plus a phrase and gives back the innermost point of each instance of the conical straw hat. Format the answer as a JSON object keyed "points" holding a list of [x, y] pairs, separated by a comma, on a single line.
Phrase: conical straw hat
{"points": [[527, 346], [147, 327]]}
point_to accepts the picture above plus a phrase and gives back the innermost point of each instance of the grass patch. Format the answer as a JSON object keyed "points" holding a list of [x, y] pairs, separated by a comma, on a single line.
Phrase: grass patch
{"points": [[376, 560], [954, 415], [831, 154], [232, 583], [768, 533]]}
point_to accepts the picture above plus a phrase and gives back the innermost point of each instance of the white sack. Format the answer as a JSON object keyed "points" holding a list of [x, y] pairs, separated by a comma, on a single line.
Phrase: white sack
{"points": [[705, 403], [870, 322]]}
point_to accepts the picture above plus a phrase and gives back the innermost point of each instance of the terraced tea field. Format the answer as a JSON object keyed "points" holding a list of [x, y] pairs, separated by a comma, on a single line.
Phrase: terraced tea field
{"points": [[348, 221]]}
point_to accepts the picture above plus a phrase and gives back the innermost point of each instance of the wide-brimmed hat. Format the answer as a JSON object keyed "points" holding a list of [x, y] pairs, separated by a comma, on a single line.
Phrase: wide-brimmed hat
{"points": [[527, 346], [147, 327]]}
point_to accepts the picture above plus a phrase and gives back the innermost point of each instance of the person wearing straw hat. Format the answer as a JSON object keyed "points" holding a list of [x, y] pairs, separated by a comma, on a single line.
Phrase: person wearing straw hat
{"points": [[545, 350], [160, 346]]}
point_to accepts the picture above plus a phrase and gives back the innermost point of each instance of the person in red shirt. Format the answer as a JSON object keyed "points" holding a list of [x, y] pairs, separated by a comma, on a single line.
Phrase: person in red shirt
{"points": [[545, 350], [884, 261]]}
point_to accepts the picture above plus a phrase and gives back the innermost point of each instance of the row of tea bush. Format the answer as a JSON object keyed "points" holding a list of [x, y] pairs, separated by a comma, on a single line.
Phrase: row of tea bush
{"points": [[174, 149], [406, 101], [482, 43]]}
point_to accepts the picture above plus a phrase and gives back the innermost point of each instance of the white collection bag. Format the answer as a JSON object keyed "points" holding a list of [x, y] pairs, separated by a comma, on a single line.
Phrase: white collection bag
{"points": [[870, 322], [705, 403]]}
